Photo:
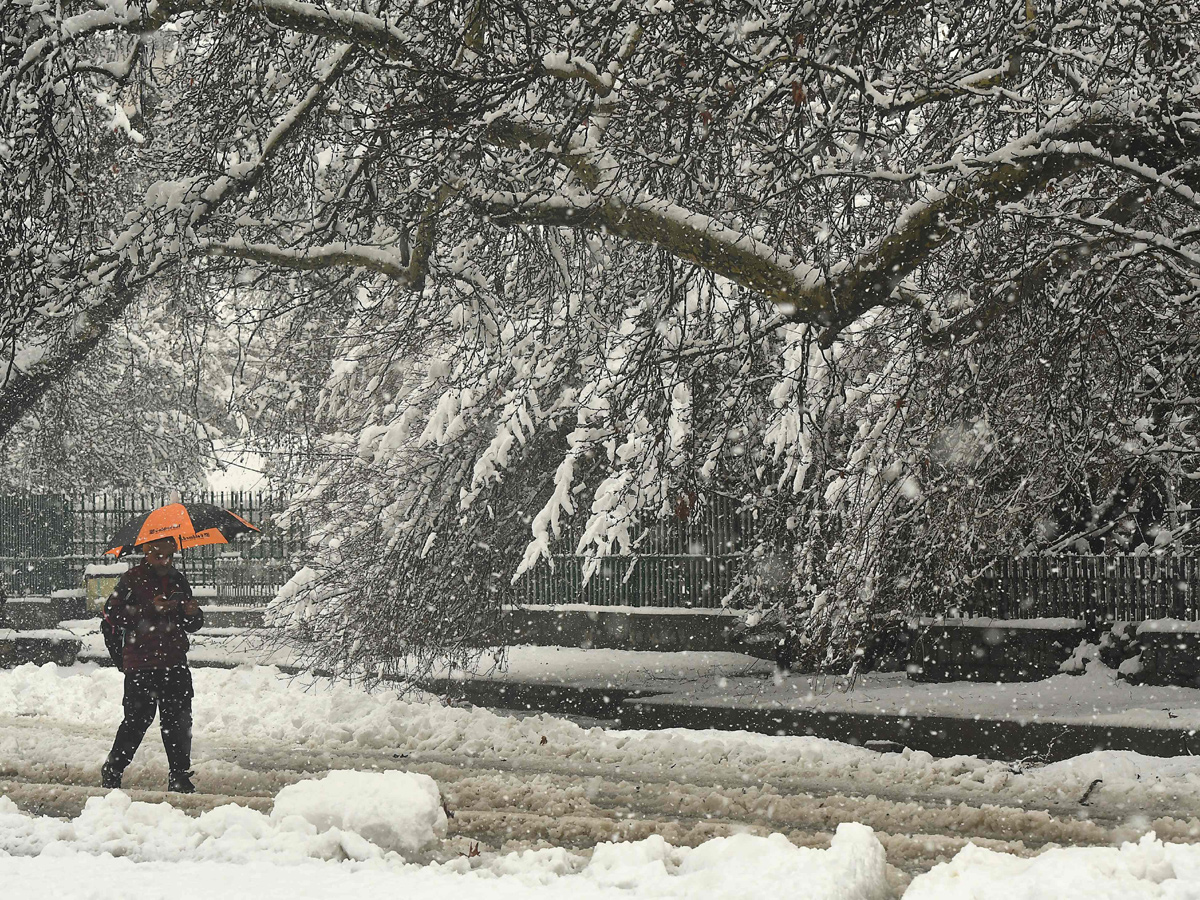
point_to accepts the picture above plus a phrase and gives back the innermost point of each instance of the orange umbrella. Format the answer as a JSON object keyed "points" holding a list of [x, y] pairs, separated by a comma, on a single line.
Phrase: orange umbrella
{"points": [[190, 524]]}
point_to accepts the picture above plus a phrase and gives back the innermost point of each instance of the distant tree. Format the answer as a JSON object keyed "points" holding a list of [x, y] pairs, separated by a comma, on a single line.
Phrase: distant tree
{"points": [[140, 413], [917, 281]]}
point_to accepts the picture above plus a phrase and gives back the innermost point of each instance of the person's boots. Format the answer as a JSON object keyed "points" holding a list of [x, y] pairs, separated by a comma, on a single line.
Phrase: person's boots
{"points": [[109, 777], [180, 783]]}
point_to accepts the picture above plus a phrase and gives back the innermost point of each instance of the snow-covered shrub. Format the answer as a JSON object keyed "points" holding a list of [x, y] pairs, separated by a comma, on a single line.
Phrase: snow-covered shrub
{"points": [[1120, 649], [1080, 659]]}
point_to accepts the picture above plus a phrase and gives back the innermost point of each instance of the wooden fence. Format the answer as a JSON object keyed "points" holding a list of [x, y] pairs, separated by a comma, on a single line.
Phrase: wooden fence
{"points": [[46, 541], [1104, 588]]}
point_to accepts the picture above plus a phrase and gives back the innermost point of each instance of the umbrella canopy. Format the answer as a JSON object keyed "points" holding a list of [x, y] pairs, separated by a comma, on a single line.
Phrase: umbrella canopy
{"points": [[190, 524]]}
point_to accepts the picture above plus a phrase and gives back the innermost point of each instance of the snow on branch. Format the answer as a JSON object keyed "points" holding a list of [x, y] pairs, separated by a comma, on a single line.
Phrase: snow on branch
{"points": [[1024, 166], [563, 65], [689, 235], [118, 71], [889, 99], [387, 262], [360, 28], [377, 259]]}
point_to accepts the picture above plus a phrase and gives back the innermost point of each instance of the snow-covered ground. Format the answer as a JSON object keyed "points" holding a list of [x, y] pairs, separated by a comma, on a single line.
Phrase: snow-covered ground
{"points": [[1096, 697], [543, 807]]}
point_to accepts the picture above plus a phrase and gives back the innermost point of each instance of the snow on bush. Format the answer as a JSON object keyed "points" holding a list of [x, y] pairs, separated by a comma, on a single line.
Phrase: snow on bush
{"points": [[400, 811], [1079, 660]]}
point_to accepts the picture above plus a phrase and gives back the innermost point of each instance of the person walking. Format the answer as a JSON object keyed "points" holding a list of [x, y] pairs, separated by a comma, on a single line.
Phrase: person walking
{"points": [[152, 610]]}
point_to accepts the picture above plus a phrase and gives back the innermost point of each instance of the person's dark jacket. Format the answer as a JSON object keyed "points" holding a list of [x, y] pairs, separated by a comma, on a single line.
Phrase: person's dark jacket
{"points": [[153, 639]]}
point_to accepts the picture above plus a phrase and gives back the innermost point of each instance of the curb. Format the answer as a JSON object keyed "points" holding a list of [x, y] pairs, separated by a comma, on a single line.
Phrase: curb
{"points": [[1007, 740], [564, 699]]}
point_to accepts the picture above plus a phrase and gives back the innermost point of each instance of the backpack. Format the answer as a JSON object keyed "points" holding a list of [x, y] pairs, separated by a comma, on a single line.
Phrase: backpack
{"points": [[114, 635], [114, 642]]}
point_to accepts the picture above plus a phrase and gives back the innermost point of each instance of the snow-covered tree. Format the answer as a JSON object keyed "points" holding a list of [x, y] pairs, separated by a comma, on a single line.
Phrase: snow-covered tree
{"points": [[139, 413], [915, 280]]}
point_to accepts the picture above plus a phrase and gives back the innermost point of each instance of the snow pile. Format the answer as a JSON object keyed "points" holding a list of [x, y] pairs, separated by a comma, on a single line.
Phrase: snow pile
{"points": [[855, 865], [1147, 870], [145, 832], [1123, 779], [400, 811], [121, 849], [725, 868], [94, 855], [346, 815]]}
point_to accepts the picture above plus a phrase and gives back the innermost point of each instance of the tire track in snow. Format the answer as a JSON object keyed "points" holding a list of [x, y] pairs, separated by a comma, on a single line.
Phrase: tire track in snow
{"points": [[518, 804]]}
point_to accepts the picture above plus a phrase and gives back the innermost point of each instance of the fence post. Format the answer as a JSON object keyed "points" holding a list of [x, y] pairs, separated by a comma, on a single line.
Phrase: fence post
{"points": [[1146, 577], [1191, 586], [1176, 584], [1124, 585], [1019, 599], [1004, 587]]}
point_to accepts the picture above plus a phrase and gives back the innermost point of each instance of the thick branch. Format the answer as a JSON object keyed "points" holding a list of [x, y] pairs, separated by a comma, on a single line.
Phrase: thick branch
{"points": [[385, 262], [320, 20], [691, 236], [867, 281], [925, 226], [390, 263]]}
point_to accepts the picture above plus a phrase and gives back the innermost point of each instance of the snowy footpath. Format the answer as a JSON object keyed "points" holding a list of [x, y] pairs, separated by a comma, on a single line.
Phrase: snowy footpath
{"points": [[316, 789], [732, 680]]}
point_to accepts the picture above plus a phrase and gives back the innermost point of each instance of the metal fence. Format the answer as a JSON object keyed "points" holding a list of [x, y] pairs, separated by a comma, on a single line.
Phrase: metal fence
{"points": [[46, 541], [686, 561], [1106, 588]]}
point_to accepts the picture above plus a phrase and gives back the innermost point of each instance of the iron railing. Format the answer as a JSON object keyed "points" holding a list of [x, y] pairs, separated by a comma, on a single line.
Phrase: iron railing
{"points": [[47, 541], [1100, 588], [686, 561]]}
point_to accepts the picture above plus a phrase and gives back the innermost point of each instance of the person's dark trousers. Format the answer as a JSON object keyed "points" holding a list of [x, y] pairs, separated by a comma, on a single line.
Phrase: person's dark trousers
{"points": [[169, 691]]}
